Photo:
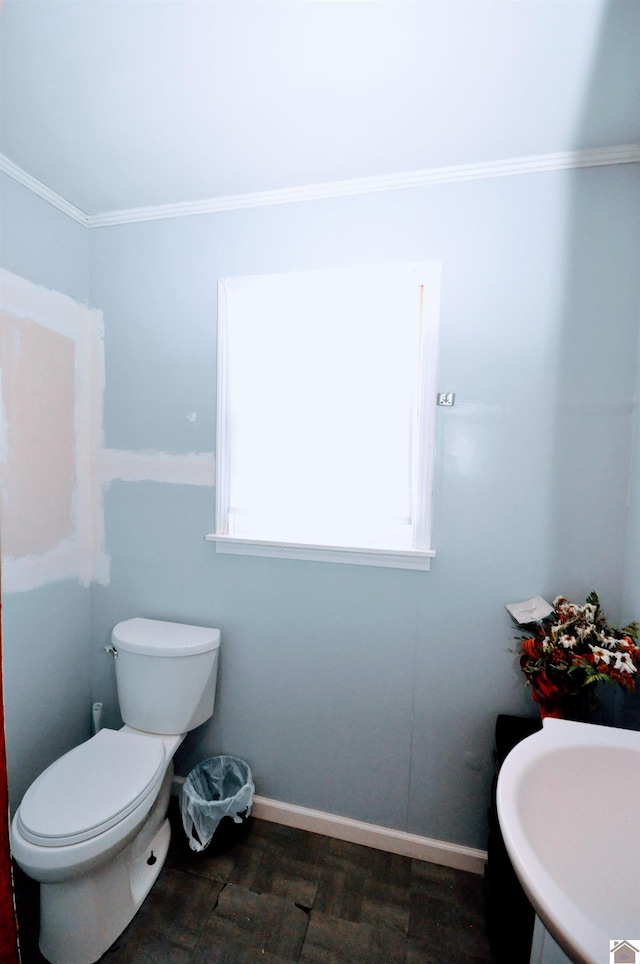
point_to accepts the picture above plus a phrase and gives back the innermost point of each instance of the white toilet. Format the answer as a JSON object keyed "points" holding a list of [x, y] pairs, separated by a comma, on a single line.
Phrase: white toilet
{"points": [[93, 827]]}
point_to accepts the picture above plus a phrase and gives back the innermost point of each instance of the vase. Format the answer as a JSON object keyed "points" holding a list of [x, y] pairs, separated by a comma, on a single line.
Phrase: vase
{"points": [[555, 712], [574, 706]]}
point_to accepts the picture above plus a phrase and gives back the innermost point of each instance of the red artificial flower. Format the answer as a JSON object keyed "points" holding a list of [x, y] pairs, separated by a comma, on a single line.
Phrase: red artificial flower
{"points": [[545, 690], [531, 647]]}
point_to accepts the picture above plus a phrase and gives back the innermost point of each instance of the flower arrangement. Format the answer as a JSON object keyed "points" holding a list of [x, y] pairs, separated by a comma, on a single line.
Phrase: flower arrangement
{"points": [[571, 649]]}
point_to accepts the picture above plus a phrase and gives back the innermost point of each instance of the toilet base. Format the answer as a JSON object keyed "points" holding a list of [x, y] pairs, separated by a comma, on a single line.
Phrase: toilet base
{"points": [[81, 918]]}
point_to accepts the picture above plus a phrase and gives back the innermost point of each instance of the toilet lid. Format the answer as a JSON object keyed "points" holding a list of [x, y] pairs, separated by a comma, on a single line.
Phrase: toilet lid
{"points": [[91, 788]]}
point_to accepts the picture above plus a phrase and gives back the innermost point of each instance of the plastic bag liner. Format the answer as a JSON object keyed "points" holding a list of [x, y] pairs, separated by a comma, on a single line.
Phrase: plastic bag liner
{"points": [[218, 787]]}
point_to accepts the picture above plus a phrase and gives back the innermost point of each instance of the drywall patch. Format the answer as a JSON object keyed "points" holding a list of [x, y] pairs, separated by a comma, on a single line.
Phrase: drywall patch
{"points": [[51, 396], [55, 469], [196, 468], [66, 561], [38, 398]]}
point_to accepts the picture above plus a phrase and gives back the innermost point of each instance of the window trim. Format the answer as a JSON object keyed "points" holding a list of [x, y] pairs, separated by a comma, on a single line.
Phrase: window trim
{"points": [[412, 558], [388, 558]]}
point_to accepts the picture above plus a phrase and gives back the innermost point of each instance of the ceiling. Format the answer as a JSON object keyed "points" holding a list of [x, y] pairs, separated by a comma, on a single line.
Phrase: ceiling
{"points": [[118, 104]]}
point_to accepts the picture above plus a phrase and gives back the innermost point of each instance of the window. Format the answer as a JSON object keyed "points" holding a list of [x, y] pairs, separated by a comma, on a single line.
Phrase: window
{"points": [[326, 408]]}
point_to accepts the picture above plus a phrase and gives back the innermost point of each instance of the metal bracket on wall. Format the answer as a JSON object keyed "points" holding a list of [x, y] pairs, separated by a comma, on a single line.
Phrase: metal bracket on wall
{"points": [[446, 398]]}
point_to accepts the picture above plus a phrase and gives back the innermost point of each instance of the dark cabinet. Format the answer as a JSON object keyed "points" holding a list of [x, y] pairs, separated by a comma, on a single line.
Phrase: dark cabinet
{"points": [[508, 914]]}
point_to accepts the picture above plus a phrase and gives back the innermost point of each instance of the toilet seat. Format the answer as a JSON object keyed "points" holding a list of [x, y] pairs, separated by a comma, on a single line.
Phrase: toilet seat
{"points": [[91, 788]]}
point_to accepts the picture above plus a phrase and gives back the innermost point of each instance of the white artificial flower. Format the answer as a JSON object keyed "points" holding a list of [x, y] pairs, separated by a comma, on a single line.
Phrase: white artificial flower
{"points": [[568, 642], [600, 653], [610, 642], [624, 663]]}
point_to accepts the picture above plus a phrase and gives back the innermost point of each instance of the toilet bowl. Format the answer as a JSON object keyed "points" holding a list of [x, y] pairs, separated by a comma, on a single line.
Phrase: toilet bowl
{"points": [[92, 828]]}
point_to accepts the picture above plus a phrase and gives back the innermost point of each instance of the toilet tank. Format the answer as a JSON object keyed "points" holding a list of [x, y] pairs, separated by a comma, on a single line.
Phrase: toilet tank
{"points": [[165, 674]]}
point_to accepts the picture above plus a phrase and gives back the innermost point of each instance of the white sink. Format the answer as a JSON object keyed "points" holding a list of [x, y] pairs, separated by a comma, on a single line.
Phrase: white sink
{"points": [[569, 811]]}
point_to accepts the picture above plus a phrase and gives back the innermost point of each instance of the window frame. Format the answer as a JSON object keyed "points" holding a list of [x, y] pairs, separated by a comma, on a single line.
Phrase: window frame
{"points": [[420, 554]]}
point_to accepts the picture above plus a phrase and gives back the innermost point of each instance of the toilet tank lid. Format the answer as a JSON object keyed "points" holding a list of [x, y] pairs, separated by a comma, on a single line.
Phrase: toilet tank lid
{"points": [[155, 637]]}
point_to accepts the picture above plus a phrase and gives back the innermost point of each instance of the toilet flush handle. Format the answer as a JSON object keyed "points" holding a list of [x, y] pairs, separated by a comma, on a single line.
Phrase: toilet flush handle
{"points": [[112, 650]]}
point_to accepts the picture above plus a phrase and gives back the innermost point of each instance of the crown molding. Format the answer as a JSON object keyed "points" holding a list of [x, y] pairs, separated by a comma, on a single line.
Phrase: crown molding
{"points": [[37, 187], [566, 160], [533, 164]]}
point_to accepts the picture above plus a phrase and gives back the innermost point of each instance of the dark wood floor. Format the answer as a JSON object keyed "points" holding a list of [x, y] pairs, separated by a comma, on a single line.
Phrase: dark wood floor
{"points": [[280, 895]]}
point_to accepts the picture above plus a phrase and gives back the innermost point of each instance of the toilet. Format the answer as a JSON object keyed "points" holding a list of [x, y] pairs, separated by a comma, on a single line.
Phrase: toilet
{"points": [[93, 827]]}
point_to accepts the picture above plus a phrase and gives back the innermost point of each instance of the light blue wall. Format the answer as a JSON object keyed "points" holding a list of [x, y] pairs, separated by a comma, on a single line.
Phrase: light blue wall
{"points": [[40, 243], [366, 692], [630, 607], [45, 632], [46, 670], [370, 693]]}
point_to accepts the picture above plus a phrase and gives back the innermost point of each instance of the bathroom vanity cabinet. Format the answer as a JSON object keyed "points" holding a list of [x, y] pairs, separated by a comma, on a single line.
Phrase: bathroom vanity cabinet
{"points": [[508, 914]]}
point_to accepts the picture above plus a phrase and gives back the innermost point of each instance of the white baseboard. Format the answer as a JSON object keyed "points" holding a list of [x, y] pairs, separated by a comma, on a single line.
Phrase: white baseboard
{"points": [[367, 834], [370, 835]]}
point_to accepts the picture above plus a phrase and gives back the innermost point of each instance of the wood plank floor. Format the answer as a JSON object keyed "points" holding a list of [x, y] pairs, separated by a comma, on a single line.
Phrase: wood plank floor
{"points": [[279, 895]]}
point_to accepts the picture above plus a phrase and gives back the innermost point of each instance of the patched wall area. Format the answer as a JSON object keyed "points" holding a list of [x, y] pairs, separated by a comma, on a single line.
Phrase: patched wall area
{"points": [[50, 412], [39, 452]]}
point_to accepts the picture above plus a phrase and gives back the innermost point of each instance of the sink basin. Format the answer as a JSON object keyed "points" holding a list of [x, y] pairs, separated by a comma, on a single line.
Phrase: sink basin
{"points": [[569, 810]]}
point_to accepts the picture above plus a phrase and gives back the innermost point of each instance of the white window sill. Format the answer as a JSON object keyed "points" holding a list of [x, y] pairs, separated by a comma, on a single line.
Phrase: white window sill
{"points": [[387, 558]]}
